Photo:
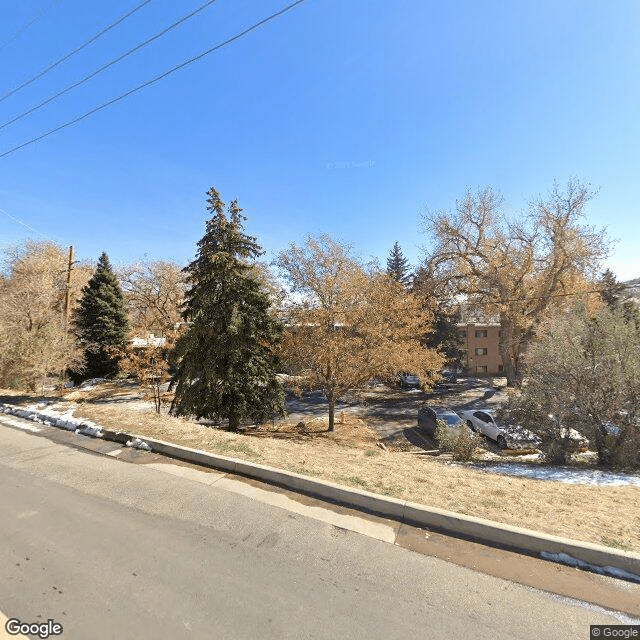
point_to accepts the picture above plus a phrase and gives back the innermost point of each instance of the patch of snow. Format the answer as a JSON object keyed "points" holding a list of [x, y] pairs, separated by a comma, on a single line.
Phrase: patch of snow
{"points": [[530, 456], [564, 558], [136, 443], [520, 433], [48, 416], [89, 429], [564, 474], [87, 385], [69, 425]]}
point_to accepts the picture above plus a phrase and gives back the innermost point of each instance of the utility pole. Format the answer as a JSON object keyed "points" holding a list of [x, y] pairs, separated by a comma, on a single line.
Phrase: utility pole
{"points": [[67, 295]]}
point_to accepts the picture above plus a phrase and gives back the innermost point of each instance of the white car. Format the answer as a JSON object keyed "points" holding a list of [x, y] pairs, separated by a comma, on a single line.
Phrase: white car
{"points": [[482, 421]]}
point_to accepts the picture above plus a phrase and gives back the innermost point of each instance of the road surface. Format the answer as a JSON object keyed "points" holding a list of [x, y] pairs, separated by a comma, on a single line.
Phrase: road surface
{"points": [[110, 549]]}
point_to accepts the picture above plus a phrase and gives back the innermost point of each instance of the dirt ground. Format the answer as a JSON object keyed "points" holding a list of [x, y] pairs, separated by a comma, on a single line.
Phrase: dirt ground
{"points": [[375, 447]]}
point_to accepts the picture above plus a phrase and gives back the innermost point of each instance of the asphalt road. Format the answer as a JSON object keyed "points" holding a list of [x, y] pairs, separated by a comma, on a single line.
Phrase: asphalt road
{"points": [[110, 549]]}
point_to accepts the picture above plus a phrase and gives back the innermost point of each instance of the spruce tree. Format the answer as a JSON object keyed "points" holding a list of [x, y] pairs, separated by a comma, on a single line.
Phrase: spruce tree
{"points": [[102, 323], [613, 293], [227, 358], [398, 265], [445, 336], [611, 290]]}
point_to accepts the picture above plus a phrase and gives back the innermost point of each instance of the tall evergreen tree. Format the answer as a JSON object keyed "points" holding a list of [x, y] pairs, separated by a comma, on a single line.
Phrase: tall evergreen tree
{"points": [[102, 323], [445, 336], [611, 290], [613, 295], [227, 358], [398, 265]]}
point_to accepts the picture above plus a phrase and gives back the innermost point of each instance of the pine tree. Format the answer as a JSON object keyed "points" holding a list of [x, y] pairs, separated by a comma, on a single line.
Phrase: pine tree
{"points": [[227, 358], [398, 265], [102, 323]]}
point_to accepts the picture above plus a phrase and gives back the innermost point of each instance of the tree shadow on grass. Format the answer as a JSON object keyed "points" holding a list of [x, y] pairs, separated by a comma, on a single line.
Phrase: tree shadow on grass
{"points": [[18, 400], [411, 439]]}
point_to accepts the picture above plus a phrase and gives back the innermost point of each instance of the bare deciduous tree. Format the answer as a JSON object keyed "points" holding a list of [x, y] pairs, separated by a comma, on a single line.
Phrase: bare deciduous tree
{"points": [[516, 269], [154, 292], [346, 325], [35, 341]]}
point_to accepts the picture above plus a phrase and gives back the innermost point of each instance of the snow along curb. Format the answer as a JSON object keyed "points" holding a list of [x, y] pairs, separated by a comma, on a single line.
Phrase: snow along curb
{"points": [[594, 557]]}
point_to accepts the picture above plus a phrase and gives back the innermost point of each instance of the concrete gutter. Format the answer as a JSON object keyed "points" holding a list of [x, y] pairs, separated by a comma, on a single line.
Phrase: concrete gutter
{"points": [[586, 555], [478, 529]]}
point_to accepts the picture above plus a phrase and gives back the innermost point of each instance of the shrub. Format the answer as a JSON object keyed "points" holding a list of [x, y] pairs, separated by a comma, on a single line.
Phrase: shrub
{"points": [[461, 442], [444, 436], [582, 375], [626, 454]]}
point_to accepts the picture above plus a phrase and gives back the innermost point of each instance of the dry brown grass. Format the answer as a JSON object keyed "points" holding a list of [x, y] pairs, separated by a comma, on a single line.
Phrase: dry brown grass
{"points": [[351, 456], [603, 515]]}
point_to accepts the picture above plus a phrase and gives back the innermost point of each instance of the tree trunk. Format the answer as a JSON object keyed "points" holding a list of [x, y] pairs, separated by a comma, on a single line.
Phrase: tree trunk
{"points": [[156, 396], [234, 421], [506, 351], [601, 445], [332, 410]]}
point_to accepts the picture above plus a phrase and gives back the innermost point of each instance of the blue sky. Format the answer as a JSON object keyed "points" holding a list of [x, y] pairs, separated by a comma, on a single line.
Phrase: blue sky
{"points": [[347, 117]]}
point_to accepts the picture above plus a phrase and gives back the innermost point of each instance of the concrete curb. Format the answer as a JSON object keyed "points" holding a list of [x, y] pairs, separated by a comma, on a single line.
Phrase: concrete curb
{"points": [[584, 554], [479, 529]]}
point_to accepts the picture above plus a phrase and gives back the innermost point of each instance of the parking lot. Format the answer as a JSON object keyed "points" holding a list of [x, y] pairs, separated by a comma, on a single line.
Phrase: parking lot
{"points": [[393, 411]]}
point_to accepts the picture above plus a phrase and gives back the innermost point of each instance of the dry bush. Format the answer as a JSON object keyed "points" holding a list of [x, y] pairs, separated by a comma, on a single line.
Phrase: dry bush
{"points": [[626, 454], [461, 442]]}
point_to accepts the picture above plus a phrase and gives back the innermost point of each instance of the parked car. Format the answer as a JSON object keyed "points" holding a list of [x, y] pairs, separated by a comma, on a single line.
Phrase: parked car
{"points": [[482, 421], [448, 377], [409, 381], [429, 416]]}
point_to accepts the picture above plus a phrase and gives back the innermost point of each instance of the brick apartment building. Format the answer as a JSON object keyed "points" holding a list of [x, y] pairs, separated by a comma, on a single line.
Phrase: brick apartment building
{"points": [[481, 342]]}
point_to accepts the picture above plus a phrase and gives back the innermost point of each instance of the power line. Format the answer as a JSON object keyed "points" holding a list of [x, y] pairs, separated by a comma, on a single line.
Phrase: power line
{"points": [[109, 64], [76, 50], [156, 79], [25, 26], [24, 224]]}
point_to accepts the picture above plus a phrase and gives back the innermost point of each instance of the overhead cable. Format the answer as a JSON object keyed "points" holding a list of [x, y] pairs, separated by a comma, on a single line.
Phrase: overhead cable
{"points": [[25, 26], [154, 80], [104, 67], [64, 58], [24, 224]]}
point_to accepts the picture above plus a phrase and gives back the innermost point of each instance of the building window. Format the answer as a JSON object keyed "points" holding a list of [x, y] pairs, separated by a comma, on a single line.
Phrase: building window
{"points": [[481, 333], [500, 333], [482, 351], [482, 369], [463, 333], [500, 367]]}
